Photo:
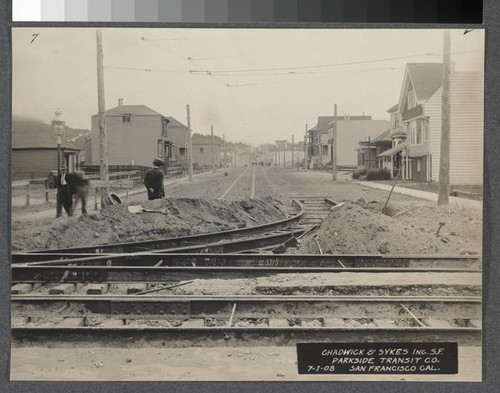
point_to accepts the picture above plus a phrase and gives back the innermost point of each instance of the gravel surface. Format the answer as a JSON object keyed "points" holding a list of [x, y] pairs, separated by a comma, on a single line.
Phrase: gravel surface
{"points": [[360, 227], [267, 363]]}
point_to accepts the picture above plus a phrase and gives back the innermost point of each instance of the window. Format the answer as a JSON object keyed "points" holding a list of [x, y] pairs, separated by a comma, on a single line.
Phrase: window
{"points": [[418, 137], [394, 121], [416, 132], [411, 101], [182, 151], [201, 150], [425, 127], [411, 132], [419, 165], [164, 127], [325, 150], [127, 118], [160, 148]]}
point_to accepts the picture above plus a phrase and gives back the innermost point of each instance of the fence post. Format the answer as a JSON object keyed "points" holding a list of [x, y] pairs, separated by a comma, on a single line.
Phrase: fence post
{"points": [[28, 194], [46, 190], [95, 197]]}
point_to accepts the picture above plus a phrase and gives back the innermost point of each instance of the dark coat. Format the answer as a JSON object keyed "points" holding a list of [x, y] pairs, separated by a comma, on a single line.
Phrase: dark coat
{"points": [[73, 180], [153, 180]]}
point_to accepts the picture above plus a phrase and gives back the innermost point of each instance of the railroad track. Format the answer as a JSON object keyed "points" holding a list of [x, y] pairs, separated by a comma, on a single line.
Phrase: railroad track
{"points": [[340, 261], [315, 209], [124, 292], [150, 268], [246, 320], [253, 237], [121, 296], [273, 237]]}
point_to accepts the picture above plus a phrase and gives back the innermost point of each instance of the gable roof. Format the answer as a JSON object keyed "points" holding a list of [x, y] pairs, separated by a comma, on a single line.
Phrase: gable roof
{"points": [[394, 150], [174, 122], [384, 137], [135, 110], [393, 108], [426, 79], [323, 122]]}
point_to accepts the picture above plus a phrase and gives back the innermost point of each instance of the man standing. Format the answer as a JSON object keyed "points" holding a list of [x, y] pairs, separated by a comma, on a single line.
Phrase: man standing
{"points": [[64, 197], [79, 187], [153, 180]]}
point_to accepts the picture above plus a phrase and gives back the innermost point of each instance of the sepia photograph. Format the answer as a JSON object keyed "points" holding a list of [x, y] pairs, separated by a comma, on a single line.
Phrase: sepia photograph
{"points": [[201, 204]]}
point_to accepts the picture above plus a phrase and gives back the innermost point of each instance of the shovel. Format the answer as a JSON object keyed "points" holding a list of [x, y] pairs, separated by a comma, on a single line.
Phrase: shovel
{"points": [[139, 209]]}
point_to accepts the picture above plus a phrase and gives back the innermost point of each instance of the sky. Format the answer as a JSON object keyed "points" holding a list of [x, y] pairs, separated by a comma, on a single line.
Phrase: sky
{"points": [[252, 85]]}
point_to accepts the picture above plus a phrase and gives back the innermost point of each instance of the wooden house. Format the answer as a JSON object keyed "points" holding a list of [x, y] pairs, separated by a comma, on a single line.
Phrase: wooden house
{"points": [[420, 106]]}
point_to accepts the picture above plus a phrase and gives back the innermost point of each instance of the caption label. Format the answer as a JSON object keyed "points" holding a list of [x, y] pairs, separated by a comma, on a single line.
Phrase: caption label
{"points": [[377, 358]]}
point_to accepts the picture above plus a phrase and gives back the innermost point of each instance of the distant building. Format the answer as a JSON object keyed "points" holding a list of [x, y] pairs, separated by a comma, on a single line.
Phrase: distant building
{"points": [[136, 135], [317, 143], [34, 150], [350, 130], [420, 108], [370, 149], [393, 158], [204, 152]]}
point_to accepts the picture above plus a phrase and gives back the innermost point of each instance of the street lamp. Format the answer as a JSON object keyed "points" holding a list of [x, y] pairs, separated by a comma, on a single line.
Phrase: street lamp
{"points": [[58, 125]]}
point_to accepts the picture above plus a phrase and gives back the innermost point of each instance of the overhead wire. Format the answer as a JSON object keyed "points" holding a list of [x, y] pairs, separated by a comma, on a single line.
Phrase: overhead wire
{"points": [[313, 66]]}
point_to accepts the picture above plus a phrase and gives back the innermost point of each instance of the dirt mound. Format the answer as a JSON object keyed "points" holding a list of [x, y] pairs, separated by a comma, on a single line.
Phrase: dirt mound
{"points": [[360, 227], [170, 217]]}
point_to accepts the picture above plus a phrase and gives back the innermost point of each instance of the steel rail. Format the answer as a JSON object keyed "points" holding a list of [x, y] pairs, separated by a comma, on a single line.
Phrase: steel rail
{"points": [[252, 260], [253, 298], [179, 241], [196, 306], [224, 247], [79, 274], [120, 318]]}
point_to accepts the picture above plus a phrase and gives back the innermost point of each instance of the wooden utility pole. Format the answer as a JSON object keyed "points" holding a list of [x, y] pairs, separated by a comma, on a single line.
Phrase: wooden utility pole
{"points": [[284, 154], [103, 139], [293, 152], [305, 148], [334, 144], [213, 148], [369, 152], [225, 150], [444, 161], [190, 145]]}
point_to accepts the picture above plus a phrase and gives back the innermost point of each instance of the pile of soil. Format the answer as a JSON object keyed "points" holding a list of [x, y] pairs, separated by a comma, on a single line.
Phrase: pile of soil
{"points": [[360, 227], [116, 224]]}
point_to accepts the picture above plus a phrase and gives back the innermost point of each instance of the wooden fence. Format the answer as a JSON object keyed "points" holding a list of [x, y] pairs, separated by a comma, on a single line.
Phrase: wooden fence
{"points": [[40, 187]]}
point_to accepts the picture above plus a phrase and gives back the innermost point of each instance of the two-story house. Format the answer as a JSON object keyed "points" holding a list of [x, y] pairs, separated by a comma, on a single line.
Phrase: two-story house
{"points": [[370, 149], [394, 159], [420, 105], [350, 130], [317, 143], [206, 151], [136, 135]]}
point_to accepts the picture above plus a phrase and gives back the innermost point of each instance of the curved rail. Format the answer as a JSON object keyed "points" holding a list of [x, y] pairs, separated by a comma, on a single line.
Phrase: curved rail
{"points": [[182, 241]]}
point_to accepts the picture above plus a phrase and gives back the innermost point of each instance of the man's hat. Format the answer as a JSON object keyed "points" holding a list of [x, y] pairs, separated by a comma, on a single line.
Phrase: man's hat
{"points": [[157, 162]]}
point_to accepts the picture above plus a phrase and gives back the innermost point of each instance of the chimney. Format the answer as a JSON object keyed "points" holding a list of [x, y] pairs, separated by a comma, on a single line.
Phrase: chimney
{"points": [[120, 101]]}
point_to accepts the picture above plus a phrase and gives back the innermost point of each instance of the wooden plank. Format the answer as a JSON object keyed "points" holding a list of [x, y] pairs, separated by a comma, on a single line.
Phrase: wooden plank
{"points": [[20, 183]]}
